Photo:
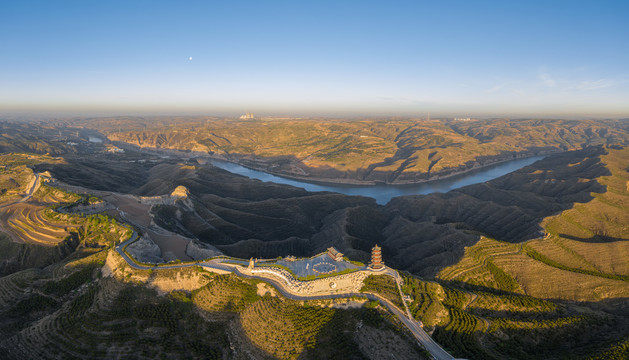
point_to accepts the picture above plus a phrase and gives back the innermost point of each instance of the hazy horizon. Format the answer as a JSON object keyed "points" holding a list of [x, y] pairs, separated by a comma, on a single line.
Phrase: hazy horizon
{"points": [[480, 59]]}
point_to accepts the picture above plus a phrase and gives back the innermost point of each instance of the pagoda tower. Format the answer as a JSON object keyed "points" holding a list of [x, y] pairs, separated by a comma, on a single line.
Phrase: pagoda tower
{"points": [[376, 258]]}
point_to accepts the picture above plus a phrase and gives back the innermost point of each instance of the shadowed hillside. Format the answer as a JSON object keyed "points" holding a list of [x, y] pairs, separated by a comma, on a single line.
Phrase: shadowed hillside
{"points": [[421, 234]]}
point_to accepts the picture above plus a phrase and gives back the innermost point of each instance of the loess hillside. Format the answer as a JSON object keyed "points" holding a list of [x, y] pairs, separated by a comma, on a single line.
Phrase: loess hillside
{"points": [[362, 150], [533, 211], [534, 264]]}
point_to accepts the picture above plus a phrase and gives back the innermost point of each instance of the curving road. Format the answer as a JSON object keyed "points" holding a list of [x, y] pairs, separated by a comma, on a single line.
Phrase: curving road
{"points": [[36, 185], [421, 336], [31, 191]]}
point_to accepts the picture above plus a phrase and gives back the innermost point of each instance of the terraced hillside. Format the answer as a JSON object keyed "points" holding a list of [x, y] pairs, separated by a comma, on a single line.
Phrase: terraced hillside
{"points": [[485, 323], [35, 221], [34, 233], [389, 150], [78, 310], [582, 254]]}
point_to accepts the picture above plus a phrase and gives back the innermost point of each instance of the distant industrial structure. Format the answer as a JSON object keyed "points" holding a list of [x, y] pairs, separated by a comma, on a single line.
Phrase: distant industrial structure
{"points": [[462, 119], [246, 116]]}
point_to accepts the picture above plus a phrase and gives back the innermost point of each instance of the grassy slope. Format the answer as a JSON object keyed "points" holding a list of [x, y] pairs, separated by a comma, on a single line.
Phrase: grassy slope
{"points": [[593, 236], [582, 257]]}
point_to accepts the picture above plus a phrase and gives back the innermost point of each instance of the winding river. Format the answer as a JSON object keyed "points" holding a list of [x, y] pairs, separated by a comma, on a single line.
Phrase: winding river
{"points": [[384, 192]]}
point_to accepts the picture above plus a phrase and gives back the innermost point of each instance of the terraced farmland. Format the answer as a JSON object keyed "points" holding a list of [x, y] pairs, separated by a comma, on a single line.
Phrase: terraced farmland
{"points": [[478, 266], [135, 324], [593, 236], [384, 285], [47, 195], [33, 222], [13, 286], [225, 293], [30, 223], [478, 324], [583, 255], [36, 222], [282, 328], [461, 334]]}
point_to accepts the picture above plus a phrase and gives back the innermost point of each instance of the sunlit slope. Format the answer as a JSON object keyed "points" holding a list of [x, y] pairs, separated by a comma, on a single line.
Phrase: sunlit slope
{"points": [[393, 150], [594, 236], [583, 256]]}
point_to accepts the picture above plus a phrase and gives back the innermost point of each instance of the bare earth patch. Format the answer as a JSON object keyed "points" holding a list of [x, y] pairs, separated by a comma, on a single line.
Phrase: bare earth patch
{"points": [[264, 289]]}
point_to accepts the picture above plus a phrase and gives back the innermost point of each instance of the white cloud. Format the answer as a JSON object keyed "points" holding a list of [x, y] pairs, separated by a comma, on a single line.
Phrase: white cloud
{"points": [[495, 88], [595, 84], [547, 79]]}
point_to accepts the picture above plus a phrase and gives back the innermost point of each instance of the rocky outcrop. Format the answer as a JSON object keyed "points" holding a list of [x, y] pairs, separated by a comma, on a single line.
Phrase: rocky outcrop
{"points": [[200, 251], [145, 250]]}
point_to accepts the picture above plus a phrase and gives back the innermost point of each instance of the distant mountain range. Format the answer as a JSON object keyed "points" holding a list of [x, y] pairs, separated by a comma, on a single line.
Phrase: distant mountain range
{"points": [[363, 150]]}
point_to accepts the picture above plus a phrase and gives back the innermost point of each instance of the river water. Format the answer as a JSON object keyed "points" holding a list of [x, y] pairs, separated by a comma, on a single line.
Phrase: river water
{"points": [[384, 192]]}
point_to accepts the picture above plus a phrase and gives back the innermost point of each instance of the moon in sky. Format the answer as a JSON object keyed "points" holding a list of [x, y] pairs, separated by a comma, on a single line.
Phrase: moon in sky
{"points": [[190, 58]]}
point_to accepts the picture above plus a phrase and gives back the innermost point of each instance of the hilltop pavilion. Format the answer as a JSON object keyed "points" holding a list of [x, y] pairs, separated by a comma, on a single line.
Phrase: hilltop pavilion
{"points": [[335, 254]]}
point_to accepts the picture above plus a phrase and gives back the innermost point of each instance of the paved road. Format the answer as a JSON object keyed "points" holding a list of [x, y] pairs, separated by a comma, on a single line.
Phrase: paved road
{"points": [[34, 188], [422, 337]]}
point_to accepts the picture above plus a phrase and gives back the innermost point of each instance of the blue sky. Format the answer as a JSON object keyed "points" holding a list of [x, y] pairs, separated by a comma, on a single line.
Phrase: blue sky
{"points": [[505, 58]]}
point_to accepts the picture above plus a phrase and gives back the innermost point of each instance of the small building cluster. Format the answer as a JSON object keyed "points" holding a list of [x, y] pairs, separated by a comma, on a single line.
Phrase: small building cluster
{"points": [[246, 116], [114, 150], [335, 254]]}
